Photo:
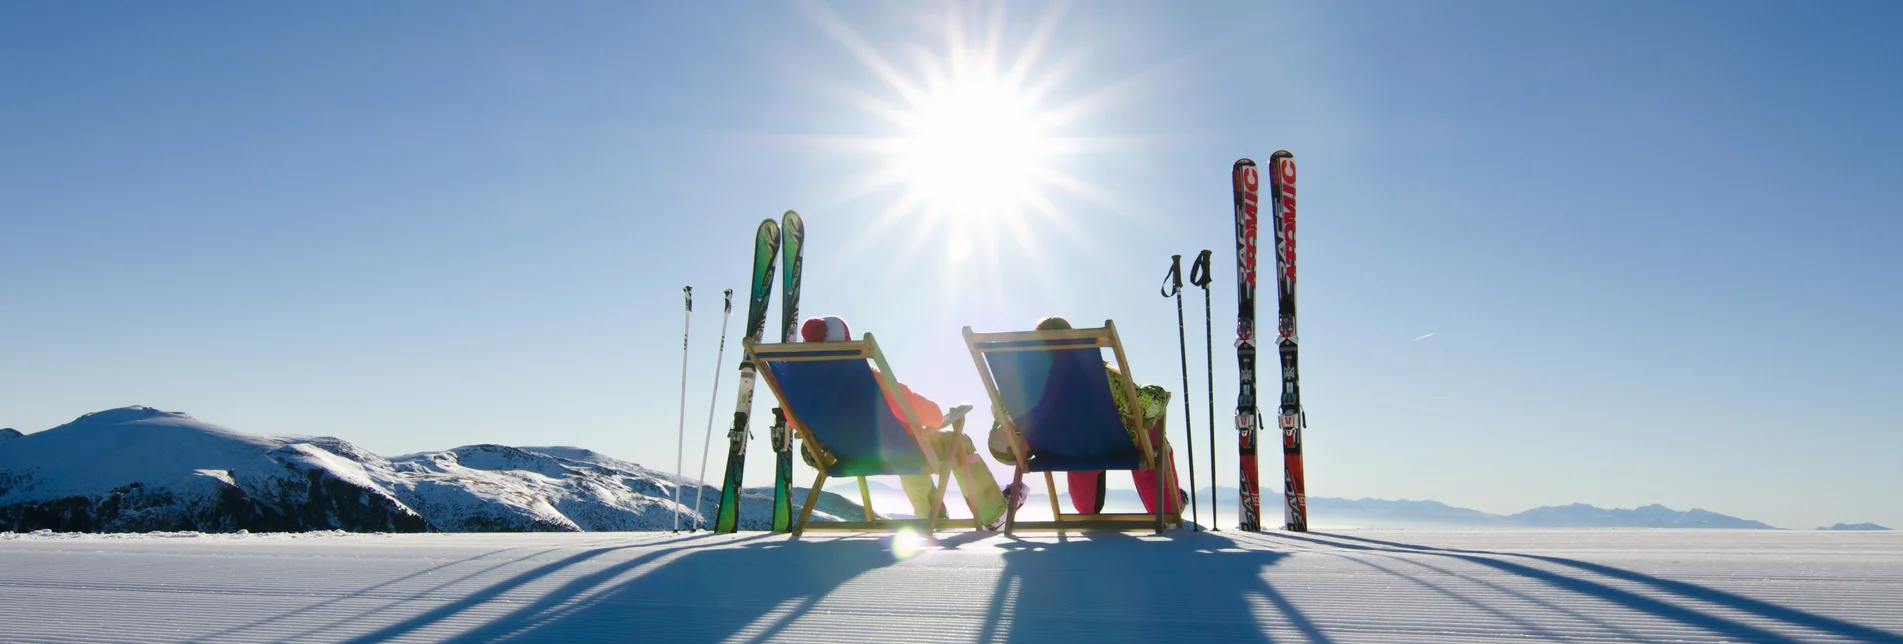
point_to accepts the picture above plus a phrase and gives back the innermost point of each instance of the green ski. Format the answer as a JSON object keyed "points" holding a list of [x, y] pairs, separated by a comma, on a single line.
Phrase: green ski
{"points": [[792, 239], [766, 247]]}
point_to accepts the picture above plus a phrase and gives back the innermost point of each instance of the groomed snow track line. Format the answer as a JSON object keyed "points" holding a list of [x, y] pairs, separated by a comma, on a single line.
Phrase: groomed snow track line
{"points": [[1347, 586]]}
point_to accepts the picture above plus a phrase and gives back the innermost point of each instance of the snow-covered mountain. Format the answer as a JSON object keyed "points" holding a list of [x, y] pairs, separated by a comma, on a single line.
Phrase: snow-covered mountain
{"points": [[1325, 512], [142, 469], [1329, 512], [1333, 512], [1580, 515]]}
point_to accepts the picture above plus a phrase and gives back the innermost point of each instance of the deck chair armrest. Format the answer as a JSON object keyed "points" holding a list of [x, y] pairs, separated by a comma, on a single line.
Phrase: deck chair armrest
{"points": [[955, 416]]}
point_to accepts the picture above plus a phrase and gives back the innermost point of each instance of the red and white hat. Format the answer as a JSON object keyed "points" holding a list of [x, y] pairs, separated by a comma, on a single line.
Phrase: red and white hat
{"points": [[824, 329]]}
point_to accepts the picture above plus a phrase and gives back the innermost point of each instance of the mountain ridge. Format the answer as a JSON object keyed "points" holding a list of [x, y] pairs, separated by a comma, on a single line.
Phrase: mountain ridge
{"points": [[139, 469], [1383, 513]]}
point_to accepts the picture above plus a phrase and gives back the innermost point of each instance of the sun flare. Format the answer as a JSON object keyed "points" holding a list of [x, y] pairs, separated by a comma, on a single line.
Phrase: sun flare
{"points": [[972, 147], [973, 139]]}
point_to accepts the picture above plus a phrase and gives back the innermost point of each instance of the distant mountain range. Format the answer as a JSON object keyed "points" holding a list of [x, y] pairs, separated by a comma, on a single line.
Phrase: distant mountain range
{"points": [[138, 469], [142, 469], [1380, 513], [1330, 512]]}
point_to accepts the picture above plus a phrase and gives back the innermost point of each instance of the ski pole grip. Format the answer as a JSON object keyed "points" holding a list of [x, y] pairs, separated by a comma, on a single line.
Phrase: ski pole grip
{"points": [[729, 310], [688, 292], [1173, 282], [1199, 272]]}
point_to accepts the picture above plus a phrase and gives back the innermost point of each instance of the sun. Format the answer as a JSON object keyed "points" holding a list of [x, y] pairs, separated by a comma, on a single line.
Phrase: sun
{"points": [[973, 147], [972, 142]]}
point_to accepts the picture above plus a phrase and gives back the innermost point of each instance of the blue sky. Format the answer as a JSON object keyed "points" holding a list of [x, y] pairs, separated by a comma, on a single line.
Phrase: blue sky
{"points": [[1655, 246]]}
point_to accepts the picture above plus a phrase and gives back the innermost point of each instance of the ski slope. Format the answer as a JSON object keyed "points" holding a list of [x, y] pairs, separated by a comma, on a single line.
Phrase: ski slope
{"points": [[1349, 586]]}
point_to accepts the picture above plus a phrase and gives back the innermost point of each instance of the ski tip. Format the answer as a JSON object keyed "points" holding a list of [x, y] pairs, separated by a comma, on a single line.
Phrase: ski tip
{"points": [[1280, 155], [1244, 161]]}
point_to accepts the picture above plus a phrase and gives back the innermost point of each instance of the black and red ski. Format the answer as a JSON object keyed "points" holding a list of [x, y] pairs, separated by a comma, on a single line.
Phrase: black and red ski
{"points": [[1289, 415], [1247, 184]]}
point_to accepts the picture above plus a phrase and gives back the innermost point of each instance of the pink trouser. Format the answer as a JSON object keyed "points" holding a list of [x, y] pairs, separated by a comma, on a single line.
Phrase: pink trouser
{"points": [[1085, 489]]}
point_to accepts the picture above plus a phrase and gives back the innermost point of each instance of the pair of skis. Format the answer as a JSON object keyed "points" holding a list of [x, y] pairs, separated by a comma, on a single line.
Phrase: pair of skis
{"points": [[1289, 417], [770, 242]]}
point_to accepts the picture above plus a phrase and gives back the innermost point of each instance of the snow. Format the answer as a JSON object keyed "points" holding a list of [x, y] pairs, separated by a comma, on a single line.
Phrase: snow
{"points": [[346, 469], [105, 450], [1622, 585], [222, 476], [138, 468]]}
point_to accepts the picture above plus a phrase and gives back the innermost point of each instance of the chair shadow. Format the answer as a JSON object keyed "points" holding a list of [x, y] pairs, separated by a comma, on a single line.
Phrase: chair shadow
{"points": [[1584, 585], [1111, 586], [739, 593]]}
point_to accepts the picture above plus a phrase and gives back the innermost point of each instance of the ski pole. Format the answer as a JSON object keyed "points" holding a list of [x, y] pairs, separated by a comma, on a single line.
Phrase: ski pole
{"points": [[706, 443], [1173, 287], [1199, 276], [680, 431]]}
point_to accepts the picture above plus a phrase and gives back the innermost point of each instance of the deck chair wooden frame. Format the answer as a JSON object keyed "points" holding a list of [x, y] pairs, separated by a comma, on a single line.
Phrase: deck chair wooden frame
{"points": [[938, 465], [1152, 455]]}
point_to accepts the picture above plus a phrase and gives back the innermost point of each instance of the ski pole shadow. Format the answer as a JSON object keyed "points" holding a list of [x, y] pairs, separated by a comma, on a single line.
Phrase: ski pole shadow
{"points": [[451, 610], [1482, 597], [738, 593], [374, 589], [1586, 586], [1111, 586]]}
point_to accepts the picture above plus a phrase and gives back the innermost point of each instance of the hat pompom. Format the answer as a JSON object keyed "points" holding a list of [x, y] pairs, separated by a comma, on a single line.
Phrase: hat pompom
{"points": [[824, 329]]}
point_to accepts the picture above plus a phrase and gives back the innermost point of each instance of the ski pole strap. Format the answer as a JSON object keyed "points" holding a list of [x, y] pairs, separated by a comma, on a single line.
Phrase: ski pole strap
{"points": [[688, 292], [1173, 282], [729, 310], [1199, 272]]}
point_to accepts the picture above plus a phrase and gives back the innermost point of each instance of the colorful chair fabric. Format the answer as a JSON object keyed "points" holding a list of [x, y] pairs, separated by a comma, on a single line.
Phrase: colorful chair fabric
{"points": [[838, 404], [1049, 391]]}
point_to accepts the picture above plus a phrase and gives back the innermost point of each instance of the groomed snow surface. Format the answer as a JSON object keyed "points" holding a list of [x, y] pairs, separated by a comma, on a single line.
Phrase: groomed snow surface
{"points": [[1226, 587]]}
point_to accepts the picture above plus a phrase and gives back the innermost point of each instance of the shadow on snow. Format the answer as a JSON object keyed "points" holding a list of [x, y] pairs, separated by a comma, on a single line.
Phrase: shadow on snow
{"points": [[1585, 586], [1111, 586], [1101, 586]]}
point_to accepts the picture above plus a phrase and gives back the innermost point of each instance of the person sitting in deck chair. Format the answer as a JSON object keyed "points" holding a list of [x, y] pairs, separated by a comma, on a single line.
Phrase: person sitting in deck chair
{"points": [[1087, 488], [987, 499]]}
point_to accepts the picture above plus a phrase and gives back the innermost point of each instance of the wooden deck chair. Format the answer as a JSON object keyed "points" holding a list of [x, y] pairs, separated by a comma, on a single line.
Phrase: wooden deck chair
{"points": [[1061, 417], [837, 403]]}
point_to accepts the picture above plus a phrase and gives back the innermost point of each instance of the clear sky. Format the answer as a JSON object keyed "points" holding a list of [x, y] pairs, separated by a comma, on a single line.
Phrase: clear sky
{"points": [[1614, 253]]}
